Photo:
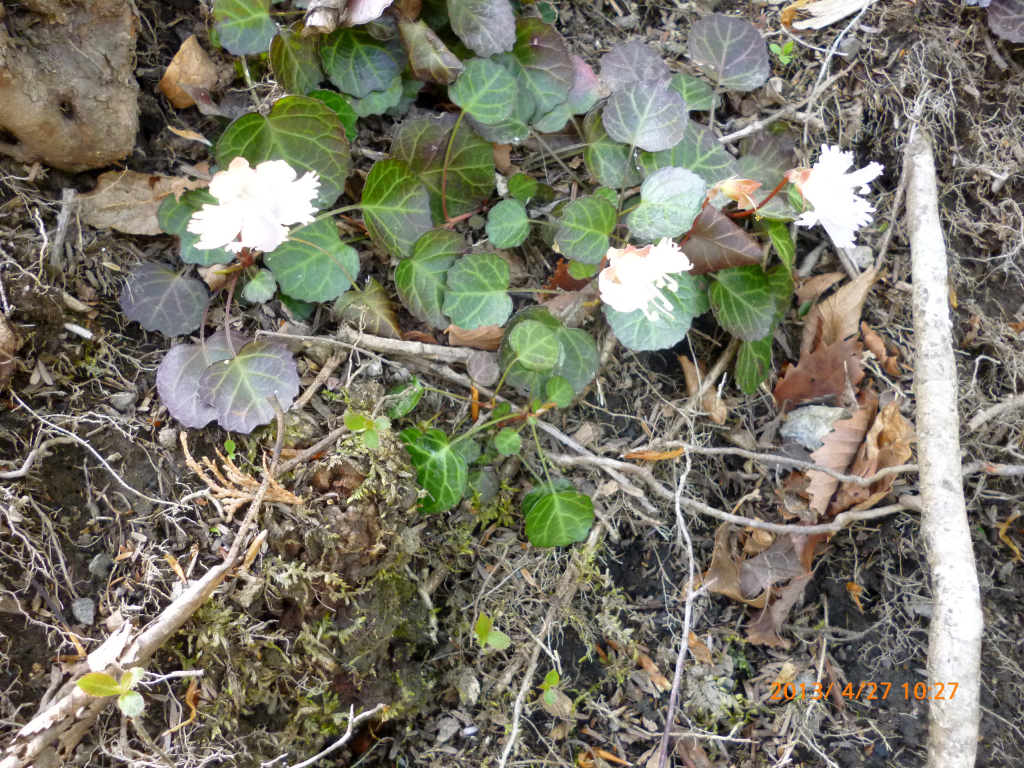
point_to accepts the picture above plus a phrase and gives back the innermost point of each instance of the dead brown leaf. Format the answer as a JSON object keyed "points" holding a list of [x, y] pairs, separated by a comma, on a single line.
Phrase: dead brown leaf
{"points": [[660, 681], [190, 66], [503, 159], [889, 446], [812, 288], [699, 649], [840, 447], [876, 345], [128, 201], [789, 12], [838, 317], [646, 455], [757, 541], [820, 373], [562, 280], [10, 343], [1017, 327], [764, 629], [855, 590], [712, 404], [692, 753], [486, 337], [1004, 537], [421, 336]]}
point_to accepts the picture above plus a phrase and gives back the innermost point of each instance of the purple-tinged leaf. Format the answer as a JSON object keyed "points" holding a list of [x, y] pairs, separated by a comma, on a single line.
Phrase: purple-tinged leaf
{"points": [[698, 151], [731, 50], [238, 388], [586, 91], [540, 61], [177, 378], [651, 117], [486, 27], [766, 158], [429, 58], [159, 299], [606, 158], [633, 62], [717, 243], [1006, 19]]}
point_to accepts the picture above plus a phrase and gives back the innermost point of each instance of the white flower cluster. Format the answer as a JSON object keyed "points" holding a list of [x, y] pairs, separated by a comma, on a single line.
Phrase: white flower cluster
{"points": [[635, 278], [256, 206]]}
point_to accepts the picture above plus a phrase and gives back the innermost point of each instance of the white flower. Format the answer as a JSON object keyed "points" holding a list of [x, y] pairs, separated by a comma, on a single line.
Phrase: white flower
{"points": [[257, 204], [833, 192], [635, 277]]}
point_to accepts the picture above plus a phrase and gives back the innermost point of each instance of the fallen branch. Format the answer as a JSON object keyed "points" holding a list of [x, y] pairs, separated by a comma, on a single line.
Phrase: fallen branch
{"points": [[954, 647], [353, 721], [980, 419]]}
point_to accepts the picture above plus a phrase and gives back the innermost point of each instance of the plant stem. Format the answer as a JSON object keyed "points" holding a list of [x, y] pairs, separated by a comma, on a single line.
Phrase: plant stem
{"points": [[625, 175], [444, 172], [540, 455], [744, 214], [232, 282]]}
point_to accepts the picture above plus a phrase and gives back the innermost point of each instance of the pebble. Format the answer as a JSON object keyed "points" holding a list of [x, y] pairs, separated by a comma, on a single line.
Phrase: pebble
{"points": [[168, 438], [123, 401], [100, 565], [85, 610]]}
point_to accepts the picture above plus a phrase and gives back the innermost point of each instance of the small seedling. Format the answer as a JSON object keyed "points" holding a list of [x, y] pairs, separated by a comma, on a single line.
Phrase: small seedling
{"points": [[229, 448], [784, 53], [369, 428], [129, 701], [551, 681], [485, 635]]}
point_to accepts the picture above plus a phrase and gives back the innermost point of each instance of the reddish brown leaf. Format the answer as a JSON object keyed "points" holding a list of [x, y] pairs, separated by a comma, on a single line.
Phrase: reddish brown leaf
{"points": [[419, 336], [699, 650], [840, 447], [764, 629], [837, 317], [659, 680], [503, 159], [716, 242], [886, 445], [190, 66], [820, 373], [723, 577], [562, 280], [486, 337], [811, 289]]}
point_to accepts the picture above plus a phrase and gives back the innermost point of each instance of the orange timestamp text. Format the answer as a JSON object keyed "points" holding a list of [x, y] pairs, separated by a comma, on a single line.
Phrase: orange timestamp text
{"points": [[865, 691]]}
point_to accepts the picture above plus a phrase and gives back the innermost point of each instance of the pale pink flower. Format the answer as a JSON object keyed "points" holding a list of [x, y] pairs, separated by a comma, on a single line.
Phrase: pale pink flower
{"points": [[740, 190], [256, 205], [635, 278], [833, 192]]}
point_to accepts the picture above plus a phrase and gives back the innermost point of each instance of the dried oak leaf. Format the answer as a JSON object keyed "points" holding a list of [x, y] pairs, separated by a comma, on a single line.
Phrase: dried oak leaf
{"points": [[190, 66], [128, 201], [876, 345], [887, 444], [837, 317], [813, 287], [486, 337], [764, 629], [820, 373], [840, 447], [562, 280], [699, 649]]}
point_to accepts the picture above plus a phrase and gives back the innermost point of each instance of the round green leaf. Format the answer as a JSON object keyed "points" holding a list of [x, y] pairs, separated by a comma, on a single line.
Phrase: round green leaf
{"points": [[260, 288], [584, 229], [313, 264], [159, 299], [586, 91], [378, 102], [577, 362], [507, 225], [606, 158], [478, 291], [339, 106], [508, 442], [371, 439], [522, 187], [608, 194], [410, 92], [396, 208], [99, 684], [732, 50], [295, 61], [484, 484], [639, 333], [698, 95], [422, 144], [558, 519], [535, 345], [580, 271], [358, 64], [244, 26], [440, 471], [429, 58], [559, 391], [357, 422], [743, 302], [174, 215], [423, 279], [651, 117], [369, 310], [630, 63], [485, 90], [177, 378], [238, 388], [541, 64], [512, 130], [486, 27], [670, 199], [405, 397], [131, 703], [303, 132], [698, 151], [498, 640]]}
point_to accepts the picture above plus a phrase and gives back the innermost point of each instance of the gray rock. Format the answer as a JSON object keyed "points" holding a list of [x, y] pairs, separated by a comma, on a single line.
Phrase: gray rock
{"points": [[100, 565], [123, 401], [84, 609], [809, 425], [168, 438]]}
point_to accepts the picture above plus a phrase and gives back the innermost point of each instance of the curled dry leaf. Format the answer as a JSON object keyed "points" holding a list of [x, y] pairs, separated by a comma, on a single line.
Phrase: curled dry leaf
{"points": [[699, 649], [812, 288], [190, 66], [820, 374], [712, 404], [839, 449], [887, 444], [420, 336], [10, 343], [486, 337], [660, 681], [645, 455], [838, 317], [128, 201], [876, 345], [764, 629]]}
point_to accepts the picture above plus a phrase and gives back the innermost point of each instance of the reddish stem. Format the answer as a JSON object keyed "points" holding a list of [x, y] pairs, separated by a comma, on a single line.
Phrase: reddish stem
{"points": [[744, 214]]}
